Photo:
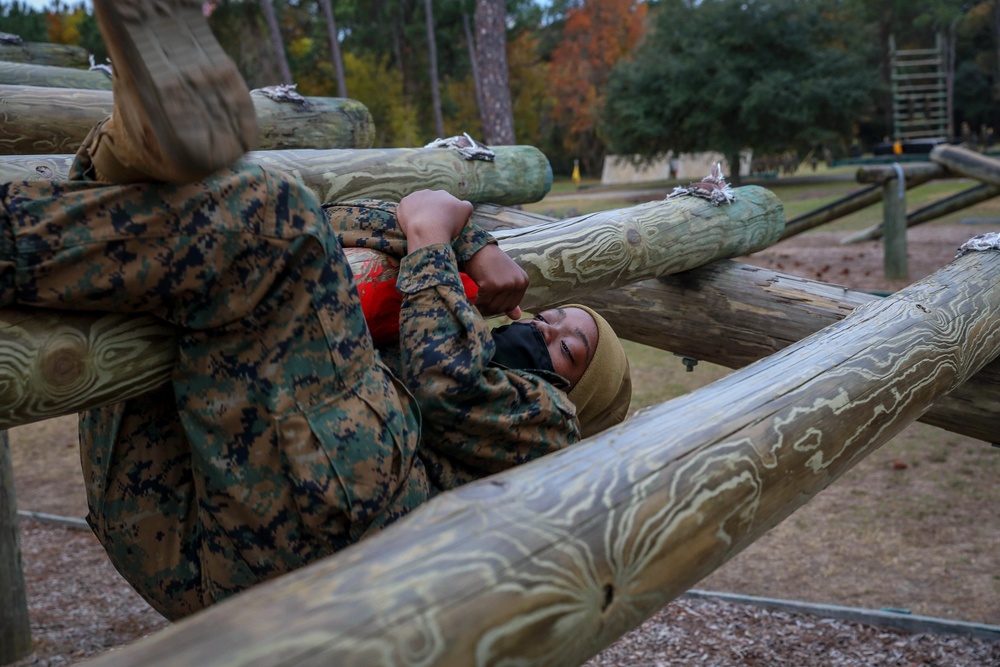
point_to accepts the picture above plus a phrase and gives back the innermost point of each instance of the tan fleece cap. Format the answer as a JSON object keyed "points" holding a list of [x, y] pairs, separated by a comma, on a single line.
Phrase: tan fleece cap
{"points": [[603, 394]]}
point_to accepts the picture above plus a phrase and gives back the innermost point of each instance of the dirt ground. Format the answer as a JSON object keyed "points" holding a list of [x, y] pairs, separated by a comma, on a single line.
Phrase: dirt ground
{"points": [[915, 526]]}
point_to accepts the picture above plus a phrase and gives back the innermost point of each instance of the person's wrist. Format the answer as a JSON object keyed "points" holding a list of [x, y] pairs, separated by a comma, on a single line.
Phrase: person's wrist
{"points": [[419, 237]]}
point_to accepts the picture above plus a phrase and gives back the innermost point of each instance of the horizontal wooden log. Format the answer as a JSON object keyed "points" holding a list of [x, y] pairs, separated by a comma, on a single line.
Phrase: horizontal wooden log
{"points": [[54, 363], [732, 314], [58, 363], [550, 562], [50, 76], [956, 202], [519, 175], [567, 259], [48, 121], [967, 163], [922, 172], [44, 53]]}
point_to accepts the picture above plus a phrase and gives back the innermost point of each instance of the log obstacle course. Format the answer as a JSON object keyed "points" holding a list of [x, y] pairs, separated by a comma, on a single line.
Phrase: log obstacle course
{"points": [[550, 562]]}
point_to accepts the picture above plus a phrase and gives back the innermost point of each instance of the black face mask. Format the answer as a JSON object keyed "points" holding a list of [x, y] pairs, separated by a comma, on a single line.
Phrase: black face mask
{"points": [[521, 346]]}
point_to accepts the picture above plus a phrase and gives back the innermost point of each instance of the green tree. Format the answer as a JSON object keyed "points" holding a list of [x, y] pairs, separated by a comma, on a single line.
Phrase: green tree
{"points": [[726, 75], [17, 18]]}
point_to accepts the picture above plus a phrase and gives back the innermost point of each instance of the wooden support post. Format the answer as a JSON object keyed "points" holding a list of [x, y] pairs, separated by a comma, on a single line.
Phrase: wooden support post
{"points": [[51, 121], [894, 222], [15, 628], [519, 175], [550, 562]]}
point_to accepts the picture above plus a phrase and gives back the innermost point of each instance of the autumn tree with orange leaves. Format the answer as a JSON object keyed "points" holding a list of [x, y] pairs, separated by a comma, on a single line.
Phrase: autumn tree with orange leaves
{"points": [[596, 36]]}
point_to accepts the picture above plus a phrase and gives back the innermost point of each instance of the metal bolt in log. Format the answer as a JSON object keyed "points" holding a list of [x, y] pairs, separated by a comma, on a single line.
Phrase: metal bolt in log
{"points": [[51, 121], [550, 562]]}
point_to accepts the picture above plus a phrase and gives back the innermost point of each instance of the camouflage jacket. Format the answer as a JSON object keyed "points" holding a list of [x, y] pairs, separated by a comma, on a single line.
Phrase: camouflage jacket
{"points": [[477, 419]]}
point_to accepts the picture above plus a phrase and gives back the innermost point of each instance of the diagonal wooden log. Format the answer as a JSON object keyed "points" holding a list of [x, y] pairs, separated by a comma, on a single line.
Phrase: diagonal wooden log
{"points": [[732, 314], [44, 53], [26, 74], [519, 175], [48, 121], [552, 561], [956, 202], [54, 363]]}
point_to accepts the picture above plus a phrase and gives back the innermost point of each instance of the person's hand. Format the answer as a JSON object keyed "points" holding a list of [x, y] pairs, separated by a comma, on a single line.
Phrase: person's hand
{"points": [[501, 282], [431, 216]]}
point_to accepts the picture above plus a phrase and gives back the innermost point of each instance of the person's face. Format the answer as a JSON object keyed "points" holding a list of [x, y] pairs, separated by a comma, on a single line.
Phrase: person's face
{"points": [[571, 337]]}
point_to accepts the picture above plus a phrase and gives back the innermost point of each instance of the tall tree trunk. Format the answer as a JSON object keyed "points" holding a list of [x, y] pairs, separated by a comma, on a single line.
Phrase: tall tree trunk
{"points": [[278, 45], [338, 61], [433, 58], [497, 111], [470, 42]]}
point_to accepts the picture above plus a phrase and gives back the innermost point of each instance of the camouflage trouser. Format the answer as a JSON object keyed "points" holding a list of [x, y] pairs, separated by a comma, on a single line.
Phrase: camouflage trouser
{"points": [[282, 437]]}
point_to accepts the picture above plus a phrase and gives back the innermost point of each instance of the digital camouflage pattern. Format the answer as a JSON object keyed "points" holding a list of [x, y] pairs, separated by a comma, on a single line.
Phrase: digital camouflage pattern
{"points": [[478, 419], [283, 437]]}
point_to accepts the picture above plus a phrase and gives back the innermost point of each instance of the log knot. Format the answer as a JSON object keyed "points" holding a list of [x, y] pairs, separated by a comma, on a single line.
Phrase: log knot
{"points": [[62, 367]]}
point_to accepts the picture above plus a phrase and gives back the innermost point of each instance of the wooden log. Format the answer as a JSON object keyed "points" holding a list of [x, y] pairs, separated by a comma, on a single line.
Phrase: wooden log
{"points": [[567, 259], [55, 363], [25, 74], [956, 202], [519, 175], [732, 314], [15, 627], [550, 562], [921, 171], [47, 121], [60, 363], [44, 53], [967, 163]]}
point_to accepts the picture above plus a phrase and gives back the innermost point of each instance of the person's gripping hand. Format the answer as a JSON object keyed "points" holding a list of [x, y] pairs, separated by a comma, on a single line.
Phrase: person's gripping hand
{"points": [[502, 283], [431, 216]]}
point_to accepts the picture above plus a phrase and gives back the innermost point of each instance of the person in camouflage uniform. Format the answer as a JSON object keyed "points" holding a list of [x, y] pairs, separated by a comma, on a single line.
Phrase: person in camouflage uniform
{"points": [[282, 437]]}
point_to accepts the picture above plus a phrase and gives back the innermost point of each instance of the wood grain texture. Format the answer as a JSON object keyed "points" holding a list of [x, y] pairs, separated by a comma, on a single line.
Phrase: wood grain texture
{"points": [[520, 174], [44, 53], [917, 172], [15, 627], [54, 364], [26, 74], [569, 258], [47, 121], [732, 314], [552, 561]]}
